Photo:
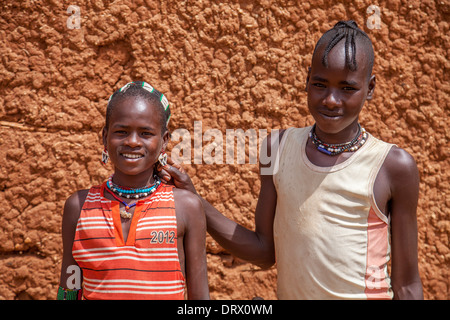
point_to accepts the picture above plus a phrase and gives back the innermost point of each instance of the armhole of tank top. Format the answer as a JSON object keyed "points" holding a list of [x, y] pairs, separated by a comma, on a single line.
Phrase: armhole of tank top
{"points": [[85, 198], [373, 178], [281, 147]]}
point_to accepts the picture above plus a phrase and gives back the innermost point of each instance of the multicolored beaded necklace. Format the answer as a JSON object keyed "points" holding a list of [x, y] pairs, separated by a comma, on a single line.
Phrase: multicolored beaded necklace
{"points": [[135, 193], [116, 190], [335, 149]]}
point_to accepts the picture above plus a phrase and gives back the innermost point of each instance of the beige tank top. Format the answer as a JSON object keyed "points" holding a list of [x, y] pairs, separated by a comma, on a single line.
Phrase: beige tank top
{"points": [[331, 240]]}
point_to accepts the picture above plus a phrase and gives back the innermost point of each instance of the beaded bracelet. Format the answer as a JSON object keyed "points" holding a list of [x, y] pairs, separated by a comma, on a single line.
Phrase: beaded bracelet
{"points": [[69, 294]]}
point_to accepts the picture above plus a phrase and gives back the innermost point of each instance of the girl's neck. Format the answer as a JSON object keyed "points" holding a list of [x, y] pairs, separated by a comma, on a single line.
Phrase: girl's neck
{"points": [[133, 181]]}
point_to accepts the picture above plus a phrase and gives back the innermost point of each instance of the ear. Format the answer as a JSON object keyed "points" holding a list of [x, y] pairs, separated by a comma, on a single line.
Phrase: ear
{"points": [[371, 87], [307, 78], [104, 136], [165, 138]]}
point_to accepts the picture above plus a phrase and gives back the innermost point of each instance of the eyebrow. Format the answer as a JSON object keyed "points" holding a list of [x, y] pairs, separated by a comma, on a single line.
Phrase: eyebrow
{"points": [[345, 82], [125, 127]]}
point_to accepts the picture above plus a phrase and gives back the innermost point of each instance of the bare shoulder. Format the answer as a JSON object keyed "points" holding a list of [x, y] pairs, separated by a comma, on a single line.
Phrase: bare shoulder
{"points": [[400, 162], [273, 140], [186, 199], [72, 210], [401, 168], [188, 206], [74, 204], [77, 199], [274, 135]]}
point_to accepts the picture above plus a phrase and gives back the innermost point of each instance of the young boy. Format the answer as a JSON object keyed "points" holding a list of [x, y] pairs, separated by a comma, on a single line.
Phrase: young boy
{"points": [[341, 200], [134, 237]]}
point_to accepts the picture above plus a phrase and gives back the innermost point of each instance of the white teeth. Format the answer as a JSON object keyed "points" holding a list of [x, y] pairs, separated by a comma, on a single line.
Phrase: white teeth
{"points": [[131, 156]]}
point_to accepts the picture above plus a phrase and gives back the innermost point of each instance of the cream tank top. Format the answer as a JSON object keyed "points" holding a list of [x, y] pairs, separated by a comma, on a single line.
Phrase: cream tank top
{"points": [[331, 240]]}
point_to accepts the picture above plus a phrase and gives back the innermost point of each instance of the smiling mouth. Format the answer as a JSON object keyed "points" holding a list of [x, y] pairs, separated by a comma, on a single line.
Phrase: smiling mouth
{"points": [[131, 155], [331, 115]]}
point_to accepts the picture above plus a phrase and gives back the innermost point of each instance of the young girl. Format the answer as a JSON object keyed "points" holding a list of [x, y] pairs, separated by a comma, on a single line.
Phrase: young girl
{"points": [[133, 236]]}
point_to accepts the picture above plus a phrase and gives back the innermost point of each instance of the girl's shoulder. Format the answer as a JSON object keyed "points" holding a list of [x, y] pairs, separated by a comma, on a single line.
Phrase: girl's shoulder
{"points": [[188, 207], [75, 202], [186, 199], [72, 210]]}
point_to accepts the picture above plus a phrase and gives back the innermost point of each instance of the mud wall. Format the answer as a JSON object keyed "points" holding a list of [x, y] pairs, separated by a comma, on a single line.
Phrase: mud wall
{"points": [[229, 64]]}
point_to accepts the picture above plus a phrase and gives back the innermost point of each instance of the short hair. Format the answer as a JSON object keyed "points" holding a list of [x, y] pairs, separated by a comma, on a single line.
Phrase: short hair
{"points": [[143, 90], [349, 31]]}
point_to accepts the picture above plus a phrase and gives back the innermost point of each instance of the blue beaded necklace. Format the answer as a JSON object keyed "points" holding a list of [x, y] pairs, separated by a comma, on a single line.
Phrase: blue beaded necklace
{"points": [[335, 149], [135, 193], [128, 193]]}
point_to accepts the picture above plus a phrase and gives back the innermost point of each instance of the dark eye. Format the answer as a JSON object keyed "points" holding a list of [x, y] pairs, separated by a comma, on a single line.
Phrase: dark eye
{"points": [[318, 85], [349, 89]]}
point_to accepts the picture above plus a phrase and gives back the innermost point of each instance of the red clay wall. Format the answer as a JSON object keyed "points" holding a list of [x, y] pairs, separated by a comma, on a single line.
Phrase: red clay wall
{"points": [[229, 64]]}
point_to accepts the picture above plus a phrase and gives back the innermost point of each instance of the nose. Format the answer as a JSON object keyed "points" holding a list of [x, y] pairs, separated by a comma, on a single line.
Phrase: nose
{"points": [[133, 140], [332, 99]]}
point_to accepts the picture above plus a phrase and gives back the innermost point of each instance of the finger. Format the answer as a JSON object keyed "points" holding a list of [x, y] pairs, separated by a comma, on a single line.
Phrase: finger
{"points": [[179, 167], [172, 164], [170, 161]]}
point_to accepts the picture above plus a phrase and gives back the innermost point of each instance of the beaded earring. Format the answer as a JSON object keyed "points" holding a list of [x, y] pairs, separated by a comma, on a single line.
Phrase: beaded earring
{"points": [[162, 158], [105, 156]]}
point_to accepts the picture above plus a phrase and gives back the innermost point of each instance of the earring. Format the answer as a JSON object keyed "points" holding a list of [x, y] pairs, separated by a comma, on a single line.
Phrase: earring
{"points": [[105, 156], [162, 158]]}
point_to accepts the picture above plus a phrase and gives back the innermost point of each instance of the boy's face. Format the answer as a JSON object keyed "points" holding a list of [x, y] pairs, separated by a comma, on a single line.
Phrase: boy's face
{"points": [[336, 95], [134, 139]]}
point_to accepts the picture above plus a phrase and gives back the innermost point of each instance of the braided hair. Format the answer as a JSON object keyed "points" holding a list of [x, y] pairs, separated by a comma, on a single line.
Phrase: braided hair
{"points": [[143, 90], [349, 31]]}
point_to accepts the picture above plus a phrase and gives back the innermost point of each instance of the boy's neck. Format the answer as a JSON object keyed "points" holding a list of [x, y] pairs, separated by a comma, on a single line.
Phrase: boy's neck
{"points": [[343, 136]]}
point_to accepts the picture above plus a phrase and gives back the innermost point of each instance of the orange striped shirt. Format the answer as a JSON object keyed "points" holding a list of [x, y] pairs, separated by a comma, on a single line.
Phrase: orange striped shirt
{"points": [[147, 266]]}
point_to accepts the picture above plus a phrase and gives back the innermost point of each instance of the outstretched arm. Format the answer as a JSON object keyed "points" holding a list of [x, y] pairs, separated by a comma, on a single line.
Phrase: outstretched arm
{"points": [[404, 181], [254, 246]]}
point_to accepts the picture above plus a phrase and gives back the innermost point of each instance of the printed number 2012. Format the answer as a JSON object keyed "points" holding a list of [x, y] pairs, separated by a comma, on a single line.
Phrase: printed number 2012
{"points": [[161, 237]]}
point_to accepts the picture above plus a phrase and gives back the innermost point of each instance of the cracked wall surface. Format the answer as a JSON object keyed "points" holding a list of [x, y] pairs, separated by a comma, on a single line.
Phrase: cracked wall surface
{"points": [[230, 64]]}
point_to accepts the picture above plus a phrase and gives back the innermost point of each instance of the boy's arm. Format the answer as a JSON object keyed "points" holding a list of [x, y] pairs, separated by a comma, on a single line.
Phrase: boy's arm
{"points": [[404, 182], [72, 209], [190, 211], [256, 246]]}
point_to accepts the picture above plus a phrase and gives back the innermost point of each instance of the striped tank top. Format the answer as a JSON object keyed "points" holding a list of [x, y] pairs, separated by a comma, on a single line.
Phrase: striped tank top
{"points": [[146, 266], [331, 239]]}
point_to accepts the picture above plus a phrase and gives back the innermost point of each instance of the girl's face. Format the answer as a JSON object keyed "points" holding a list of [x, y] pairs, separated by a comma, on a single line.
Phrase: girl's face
{"points": [[134, 139]]}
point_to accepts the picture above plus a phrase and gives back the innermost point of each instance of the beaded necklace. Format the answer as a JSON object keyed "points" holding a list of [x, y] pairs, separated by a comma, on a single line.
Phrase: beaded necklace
{"points": [[135, 193], [335, 149], [123, 211], [116, 190]]}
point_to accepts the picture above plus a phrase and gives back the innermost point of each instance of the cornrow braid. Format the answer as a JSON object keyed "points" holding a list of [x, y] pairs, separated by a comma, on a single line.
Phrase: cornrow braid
{"points": [[144, 90], [349, 31]]}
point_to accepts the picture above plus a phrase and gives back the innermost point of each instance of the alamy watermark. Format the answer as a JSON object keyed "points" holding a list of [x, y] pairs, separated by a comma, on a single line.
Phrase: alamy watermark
{"points": [[229, 149], [74, 280], [74, 21], [374, 20]]}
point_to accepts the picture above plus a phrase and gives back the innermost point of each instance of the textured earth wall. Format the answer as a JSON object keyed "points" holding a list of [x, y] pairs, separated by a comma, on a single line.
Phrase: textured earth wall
{"points": [[229, 64]]}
